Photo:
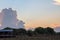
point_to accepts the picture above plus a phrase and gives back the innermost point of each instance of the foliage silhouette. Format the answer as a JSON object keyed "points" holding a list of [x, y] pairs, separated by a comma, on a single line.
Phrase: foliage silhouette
{"points": [[37, 31], [30, 33], [19, 31], [49, 30]]}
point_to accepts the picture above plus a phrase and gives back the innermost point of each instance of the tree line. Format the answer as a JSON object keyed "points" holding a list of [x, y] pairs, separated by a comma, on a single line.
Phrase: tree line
{"points": [[36, 31]]}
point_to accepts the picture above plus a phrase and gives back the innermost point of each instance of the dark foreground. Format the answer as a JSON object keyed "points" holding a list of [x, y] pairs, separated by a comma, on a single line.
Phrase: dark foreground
{"points": [[40, 37]]}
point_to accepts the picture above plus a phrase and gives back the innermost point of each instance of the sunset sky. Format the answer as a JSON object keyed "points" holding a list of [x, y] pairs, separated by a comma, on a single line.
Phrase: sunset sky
{"points": [[35, 13]]}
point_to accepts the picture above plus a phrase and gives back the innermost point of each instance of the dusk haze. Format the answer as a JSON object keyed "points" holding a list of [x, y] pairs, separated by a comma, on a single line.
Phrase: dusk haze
{"points": [[35, 13], [29, 19]]}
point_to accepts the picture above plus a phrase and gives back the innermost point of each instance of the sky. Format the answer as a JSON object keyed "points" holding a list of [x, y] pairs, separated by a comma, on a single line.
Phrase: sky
{"points": [[35, 13]]}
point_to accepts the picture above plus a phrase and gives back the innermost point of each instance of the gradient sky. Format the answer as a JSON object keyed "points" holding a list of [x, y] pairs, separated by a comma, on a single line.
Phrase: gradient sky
{"points": [[35, 13]]}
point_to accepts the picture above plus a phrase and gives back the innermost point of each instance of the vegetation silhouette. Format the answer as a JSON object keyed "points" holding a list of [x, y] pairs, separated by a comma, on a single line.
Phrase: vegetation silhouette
{"points": [[49, 30], [37, 31], [19, 31], [30, 33]]}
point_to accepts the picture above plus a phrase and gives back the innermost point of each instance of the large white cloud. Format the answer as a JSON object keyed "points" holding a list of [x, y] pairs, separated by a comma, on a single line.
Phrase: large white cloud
{"points": [[8, 18], [56, 2]]}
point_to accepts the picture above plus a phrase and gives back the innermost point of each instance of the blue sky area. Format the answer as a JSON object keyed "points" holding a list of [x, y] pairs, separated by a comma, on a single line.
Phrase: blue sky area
{"points": [[35, 12]]}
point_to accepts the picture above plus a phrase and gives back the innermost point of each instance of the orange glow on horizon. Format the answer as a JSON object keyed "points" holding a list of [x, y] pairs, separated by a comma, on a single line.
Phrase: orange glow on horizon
{"points": [[48, 22], [34, 24]]}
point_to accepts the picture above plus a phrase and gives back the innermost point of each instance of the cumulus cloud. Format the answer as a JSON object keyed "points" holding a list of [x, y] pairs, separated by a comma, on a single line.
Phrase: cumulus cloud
{"points": [[56, 2], [8, 18]]}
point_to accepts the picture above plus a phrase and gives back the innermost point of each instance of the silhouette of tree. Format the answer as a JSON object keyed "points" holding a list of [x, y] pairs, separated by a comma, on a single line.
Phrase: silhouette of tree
{"points": [[30, 33], [22, 31], [39, 30], [49, 30], [19, 31]]}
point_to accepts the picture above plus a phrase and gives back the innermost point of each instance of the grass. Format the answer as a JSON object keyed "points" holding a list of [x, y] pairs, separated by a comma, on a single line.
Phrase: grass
{"points": [[40, 37]]}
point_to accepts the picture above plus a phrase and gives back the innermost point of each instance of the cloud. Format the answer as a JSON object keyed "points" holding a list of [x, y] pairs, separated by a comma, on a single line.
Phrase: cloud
{"points": [[56, 2], [8, 18]]}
